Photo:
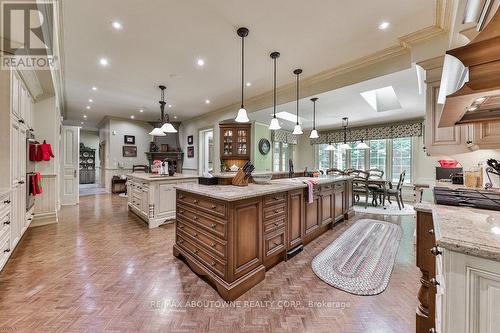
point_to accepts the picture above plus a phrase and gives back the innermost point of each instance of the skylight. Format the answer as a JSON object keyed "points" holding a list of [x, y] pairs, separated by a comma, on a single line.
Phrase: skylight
{"points": [[383, 99], [289, 117]]}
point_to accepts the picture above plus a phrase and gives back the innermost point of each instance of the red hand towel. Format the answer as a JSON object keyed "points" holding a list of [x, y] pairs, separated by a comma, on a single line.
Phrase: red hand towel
{"points": [[38, 183], [47, 151], [39, 153]]}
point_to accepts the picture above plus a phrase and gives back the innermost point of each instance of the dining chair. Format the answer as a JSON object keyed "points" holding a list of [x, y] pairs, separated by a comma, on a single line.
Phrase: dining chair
{"points": [[396, 192], [374, 188], [376, 173], [335, 172], [360, 185], [143, 168]]}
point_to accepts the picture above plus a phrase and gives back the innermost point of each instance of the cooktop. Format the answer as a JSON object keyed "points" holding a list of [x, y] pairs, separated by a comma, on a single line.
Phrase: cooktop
{"points": [[465, 197]]}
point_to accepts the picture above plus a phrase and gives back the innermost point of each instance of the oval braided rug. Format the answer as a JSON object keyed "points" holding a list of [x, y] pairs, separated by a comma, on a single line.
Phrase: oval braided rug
{"points": [[360, 261]]}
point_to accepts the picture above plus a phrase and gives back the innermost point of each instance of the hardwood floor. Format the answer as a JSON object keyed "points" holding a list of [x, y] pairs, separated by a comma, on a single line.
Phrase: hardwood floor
{"points": [[102, 270]]}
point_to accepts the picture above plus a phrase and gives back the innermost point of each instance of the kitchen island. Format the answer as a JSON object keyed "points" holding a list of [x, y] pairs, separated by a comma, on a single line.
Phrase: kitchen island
{"points": [[152, 197], [458, 253], [231, 235]]}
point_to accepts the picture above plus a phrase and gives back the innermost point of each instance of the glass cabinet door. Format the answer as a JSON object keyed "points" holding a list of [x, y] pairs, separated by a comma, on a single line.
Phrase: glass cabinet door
{"points": [[242, 141], [228, 142]]}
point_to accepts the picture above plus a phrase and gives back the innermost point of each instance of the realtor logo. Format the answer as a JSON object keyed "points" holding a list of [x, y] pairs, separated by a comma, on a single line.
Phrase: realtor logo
{"points": [[26, 32]]}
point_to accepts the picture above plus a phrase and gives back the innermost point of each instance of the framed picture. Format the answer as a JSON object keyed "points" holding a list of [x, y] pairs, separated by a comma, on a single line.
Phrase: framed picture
{"points": [[129, 139], [190, 139], [129, 151], [164, 147], [190, 152]]}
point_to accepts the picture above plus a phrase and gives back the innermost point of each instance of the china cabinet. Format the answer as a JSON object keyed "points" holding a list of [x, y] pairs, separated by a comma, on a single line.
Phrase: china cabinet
{"points": [[235, 141]]}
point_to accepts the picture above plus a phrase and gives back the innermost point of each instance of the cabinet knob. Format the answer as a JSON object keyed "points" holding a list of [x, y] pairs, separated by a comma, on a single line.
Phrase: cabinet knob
{"points": [[180, 226], [212, 244], [195, 251], [6, 222], [180, 241], [181, 212], [276, 198], [434, 282], [21, 182], [195, 234], [195, 217], [435, 251], [6, 202], [276, 210], [6, 250], [431, 231], [195, 201], [21, 121], [212, 263], [214, 206], [213, 225], [432, 330], [181, 196]]}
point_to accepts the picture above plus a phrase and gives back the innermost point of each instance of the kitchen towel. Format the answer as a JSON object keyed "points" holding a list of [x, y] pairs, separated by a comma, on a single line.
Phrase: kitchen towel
{"points": [[46, 149], [310, 189], [36, 184]]}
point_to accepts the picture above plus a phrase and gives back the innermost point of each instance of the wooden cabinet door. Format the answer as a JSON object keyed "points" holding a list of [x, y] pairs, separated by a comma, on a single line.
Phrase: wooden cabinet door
{"points": [[295, 218], [313, 213], [242, 138], [339, 204], [14, 99], [145, 201], [327, 208], [15, 158], [487, 135], [227, 146], [247, 235]]}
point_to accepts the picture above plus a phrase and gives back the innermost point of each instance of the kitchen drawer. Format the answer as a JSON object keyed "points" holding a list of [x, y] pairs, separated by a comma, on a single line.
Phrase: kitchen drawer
{"points": [[4, 251], [212, 243], [4, 226], [327, 187], [136, 191], [274, 199], [273, 225], [215, 265], [338, 187], [274, 211], [5, 204], [211, 206], [208, 223], [274, 243]]}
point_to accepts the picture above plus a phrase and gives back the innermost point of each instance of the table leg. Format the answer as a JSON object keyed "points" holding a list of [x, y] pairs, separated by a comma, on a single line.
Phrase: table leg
{"points": [[385, 193]]}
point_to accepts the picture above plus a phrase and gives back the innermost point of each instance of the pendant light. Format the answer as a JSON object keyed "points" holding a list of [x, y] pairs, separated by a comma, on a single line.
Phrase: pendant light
{"points": [[166, 127], [242, 116], [297, 130], [330, 146], [345, 124], [275, 125], [362, 144], [314, 133]]}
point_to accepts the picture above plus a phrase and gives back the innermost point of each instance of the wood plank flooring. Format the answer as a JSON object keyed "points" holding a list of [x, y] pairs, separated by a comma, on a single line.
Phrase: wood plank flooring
{"points": [[102, 270]]}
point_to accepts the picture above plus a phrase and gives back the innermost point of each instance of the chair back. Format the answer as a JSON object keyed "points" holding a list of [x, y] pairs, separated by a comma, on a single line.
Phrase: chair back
{"points": [[143, 168], [376, 173], [401, 180], [360, 180], [335, 171]]}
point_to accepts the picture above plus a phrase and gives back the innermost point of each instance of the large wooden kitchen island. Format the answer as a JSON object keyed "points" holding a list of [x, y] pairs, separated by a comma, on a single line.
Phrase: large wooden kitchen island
{"points": [[231, 235]]}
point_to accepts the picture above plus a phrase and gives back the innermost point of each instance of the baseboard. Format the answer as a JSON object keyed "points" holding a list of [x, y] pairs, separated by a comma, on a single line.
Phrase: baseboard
{"points": [[44, 219]]}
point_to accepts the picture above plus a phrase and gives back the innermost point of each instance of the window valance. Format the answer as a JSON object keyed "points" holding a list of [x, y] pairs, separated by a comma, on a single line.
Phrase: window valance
{"points": [[284, 136], [386, 131]]}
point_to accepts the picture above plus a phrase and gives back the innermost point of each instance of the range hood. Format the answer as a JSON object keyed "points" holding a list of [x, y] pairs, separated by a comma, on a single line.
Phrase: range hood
{"points": [[478, 80]]}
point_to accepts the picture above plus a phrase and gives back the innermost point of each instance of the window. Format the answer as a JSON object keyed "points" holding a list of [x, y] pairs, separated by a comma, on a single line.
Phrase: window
{"points": [[324, 157], [336, 158], [358, 157], [401, 158], [282, 152], [378, 153], [339, 157]]}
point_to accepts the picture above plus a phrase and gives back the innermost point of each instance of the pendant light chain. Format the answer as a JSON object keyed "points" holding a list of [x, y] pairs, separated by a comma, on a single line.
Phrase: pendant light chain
{"points": [[242, 69], [274, 92], [314, 114], [298, 98]]}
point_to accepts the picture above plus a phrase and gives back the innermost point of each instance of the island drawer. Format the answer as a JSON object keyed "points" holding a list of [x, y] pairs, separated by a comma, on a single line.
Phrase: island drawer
{"points": [[215, 265], [212, 243], [275, 211], [213, 225], [274, 242], [274, 199], [327, 187], [272, 225], [211, 206], [338, 187]]}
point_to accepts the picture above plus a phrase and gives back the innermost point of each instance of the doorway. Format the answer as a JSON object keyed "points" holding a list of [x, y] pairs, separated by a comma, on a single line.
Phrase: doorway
{"points": [[206, 155]]}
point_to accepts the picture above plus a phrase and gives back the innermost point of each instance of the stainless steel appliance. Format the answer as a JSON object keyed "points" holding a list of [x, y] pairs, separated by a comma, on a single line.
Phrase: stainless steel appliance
{"points": [[467, 198], [446, 173], [31, 146]]}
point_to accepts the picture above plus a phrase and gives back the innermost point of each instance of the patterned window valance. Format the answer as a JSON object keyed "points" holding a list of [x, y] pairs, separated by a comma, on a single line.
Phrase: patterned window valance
{"points": [[284, 136], [387, 131]]}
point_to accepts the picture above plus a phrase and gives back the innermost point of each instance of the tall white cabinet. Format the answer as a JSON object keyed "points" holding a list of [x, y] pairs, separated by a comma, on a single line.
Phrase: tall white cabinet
{"points": [[16, 119]]}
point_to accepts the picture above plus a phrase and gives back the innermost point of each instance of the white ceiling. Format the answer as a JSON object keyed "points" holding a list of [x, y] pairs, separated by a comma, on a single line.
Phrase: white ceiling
{"points": [[347, 102], [162, 39]]}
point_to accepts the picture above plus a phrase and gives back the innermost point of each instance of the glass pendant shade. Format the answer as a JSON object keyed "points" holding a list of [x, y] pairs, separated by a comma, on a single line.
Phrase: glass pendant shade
{"points": [[168, 128], [242, 116], [346, 146], [362, 145], [157, 132], [314, 134], [330, 147], [297, 130], [275, 125]]}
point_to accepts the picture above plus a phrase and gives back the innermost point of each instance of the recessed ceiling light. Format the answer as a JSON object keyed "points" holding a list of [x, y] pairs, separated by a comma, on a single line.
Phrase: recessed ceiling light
{"points": [[207, 101], [81, 123], [132, 117], [94, 88], [88, 107], [85, 116], [200, 62], [117, 25], [384, 25], [175, 117], [103, 62], [91, 100], [170, 105], [249, 84], [141, 110]]}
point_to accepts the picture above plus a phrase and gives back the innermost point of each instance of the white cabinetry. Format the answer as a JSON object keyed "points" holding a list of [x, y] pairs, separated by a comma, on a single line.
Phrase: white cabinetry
{"points": [[5, 228], [471, 301], [153, 198]]}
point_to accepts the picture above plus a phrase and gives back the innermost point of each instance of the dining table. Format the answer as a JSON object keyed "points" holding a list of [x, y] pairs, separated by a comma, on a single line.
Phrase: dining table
{"points": [[383, 183]]}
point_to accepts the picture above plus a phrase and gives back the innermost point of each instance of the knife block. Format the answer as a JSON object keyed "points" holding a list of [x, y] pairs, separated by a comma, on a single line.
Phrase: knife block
{"points": [[239, 179]]}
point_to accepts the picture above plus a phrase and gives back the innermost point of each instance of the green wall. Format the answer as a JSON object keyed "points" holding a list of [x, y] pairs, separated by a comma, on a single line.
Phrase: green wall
{"points": [[261, 162]]}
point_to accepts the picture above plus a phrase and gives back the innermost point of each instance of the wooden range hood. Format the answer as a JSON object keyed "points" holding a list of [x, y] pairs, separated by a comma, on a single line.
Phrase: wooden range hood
{"points": [[479, 99]]}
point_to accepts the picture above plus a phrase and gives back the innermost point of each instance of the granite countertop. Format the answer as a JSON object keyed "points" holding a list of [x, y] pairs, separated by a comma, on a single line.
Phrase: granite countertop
{"points": [[467, 230], [234, 193], [231, 174], [152, 177]]}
